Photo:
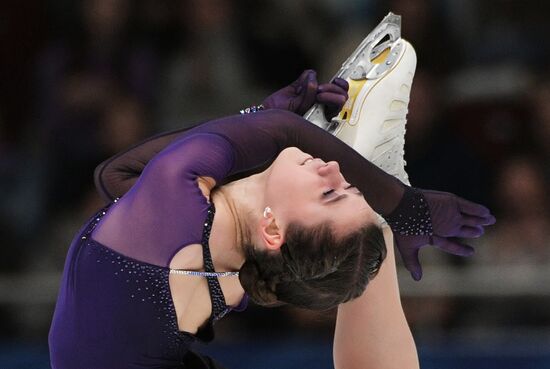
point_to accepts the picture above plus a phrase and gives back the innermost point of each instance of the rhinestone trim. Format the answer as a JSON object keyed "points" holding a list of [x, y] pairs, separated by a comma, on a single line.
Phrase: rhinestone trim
{"points": [[252, 109], [412, 215], [146, 284], [204, 274], [219, 306]]}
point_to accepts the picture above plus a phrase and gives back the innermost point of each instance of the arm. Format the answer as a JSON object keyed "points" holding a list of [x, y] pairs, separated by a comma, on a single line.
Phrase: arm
{"points": [[116, 175], [256, 139], [371, 331], [422, 217], [419, 218], [165, 208]]}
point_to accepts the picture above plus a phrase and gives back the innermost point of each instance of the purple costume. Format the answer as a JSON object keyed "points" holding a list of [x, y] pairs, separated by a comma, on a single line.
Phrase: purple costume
{"points": [[115, 309]]}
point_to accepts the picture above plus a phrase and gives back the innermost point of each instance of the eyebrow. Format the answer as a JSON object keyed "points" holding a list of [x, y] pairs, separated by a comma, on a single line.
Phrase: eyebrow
{"points": [[341, 196], [337, 198]]}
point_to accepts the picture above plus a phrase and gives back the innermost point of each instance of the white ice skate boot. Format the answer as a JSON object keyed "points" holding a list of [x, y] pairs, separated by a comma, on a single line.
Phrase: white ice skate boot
{"points": [[380, 73]]}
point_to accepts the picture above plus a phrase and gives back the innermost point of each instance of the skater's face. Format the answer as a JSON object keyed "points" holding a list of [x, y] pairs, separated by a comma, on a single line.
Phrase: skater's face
{"points": [[309, 191]]}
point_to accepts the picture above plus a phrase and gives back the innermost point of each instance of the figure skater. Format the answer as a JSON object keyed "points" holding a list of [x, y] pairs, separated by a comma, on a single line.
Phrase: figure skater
{"points": [[150, 273]]}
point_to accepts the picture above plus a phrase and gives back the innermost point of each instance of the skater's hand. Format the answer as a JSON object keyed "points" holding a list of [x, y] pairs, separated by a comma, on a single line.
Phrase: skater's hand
{"points": [[451, 217], [333, 95], [300, 95]]}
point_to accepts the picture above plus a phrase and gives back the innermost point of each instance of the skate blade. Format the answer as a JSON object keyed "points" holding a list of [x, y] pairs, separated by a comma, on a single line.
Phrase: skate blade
{"points": [[356, 86], [372, 59]]}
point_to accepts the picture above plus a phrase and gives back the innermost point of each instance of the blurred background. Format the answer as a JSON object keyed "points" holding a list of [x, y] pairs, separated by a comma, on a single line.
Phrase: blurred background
{"points": [[83, 80]]}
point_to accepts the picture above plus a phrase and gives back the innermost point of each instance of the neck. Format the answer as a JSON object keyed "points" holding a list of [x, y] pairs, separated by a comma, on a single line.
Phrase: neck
{"points": [[237, 213]]}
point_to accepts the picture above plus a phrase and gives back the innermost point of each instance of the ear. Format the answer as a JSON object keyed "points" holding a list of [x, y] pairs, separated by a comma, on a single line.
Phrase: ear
{"points": [[270, 234]]}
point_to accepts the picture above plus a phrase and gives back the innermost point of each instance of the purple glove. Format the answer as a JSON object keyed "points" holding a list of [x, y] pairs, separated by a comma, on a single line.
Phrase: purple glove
{"points": [[300, 95], [432, 217]]}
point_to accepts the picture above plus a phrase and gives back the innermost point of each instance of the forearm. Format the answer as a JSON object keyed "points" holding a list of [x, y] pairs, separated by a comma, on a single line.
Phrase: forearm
{"points": [[371, 331]]}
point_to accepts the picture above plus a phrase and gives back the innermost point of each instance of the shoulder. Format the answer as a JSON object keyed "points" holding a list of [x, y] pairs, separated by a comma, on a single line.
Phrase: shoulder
{"points": [[206, 184]]}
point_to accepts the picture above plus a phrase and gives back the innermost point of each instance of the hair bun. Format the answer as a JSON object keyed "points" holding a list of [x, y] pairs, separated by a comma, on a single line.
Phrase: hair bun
{"points": [[260, 290]]}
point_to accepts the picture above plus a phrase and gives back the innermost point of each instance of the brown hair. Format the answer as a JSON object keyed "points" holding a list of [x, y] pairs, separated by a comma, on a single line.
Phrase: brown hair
{"points": [[314, 269]]}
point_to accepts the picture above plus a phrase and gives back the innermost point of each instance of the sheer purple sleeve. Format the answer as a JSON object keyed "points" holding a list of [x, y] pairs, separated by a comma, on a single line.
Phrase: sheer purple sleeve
{"points": [[256, 139], [116, 175], [165, 209], [253, 140]]}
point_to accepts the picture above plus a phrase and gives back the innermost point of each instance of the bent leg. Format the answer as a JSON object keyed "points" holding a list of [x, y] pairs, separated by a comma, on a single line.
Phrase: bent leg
{"points": [[372, 331]]}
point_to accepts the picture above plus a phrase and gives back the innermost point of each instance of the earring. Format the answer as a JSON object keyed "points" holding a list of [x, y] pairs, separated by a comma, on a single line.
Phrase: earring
{"points": [[267, 211]]}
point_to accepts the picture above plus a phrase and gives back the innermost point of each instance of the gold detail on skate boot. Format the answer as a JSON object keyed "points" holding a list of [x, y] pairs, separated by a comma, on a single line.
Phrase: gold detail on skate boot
{"points": [[354, 89], [381, 57], [379, 80]]}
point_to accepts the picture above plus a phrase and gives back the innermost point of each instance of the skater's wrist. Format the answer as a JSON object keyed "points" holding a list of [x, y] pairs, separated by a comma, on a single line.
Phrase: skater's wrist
{"points": [[412, 214]]}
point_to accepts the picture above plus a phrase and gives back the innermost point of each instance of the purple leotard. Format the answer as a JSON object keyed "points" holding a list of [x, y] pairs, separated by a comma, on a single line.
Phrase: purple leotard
{"points": [[115, 308]]}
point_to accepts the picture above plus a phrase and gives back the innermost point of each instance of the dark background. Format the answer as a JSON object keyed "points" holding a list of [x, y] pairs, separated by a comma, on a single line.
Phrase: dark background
{"points": [[82, 80]]}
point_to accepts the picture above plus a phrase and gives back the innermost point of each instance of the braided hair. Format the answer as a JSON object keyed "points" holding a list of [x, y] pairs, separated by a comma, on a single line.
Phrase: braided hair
{"points": [[314, 269]]}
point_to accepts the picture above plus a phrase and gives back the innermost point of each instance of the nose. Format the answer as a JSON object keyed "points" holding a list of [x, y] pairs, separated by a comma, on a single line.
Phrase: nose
{"points": [[331, 171]]}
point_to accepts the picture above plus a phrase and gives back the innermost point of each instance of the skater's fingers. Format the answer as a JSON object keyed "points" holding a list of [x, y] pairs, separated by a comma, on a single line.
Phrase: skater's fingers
{"points": [[308, 93], [329, 98], [452, 247], [329, 87], [341, 83], [303, 81], [304, 77], [471, 221], [311, 87], [471, 208], [489, 220], [470, 232], [410, 259]]}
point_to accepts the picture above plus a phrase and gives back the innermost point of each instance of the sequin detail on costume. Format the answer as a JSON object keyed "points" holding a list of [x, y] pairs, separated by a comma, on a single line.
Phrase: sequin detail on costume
{"points": [[146, 284], [219, 306], [412, 216]]}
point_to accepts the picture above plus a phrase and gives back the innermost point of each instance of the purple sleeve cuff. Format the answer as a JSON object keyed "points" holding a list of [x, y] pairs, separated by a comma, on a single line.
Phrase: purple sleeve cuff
{"points": [[412, 215]]}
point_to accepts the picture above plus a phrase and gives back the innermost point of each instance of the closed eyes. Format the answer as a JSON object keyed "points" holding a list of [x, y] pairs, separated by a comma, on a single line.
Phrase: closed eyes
{"points": [[307, 160], [328, 192], [332, 195]]}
